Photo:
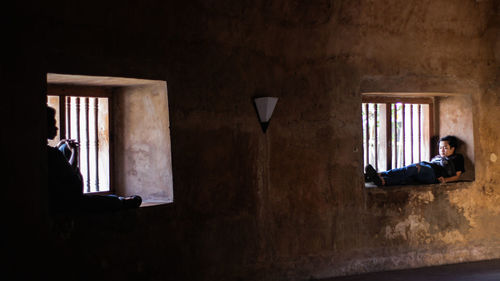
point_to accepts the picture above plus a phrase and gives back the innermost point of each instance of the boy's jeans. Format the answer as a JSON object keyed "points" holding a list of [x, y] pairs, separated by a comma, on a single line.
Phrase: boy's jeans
{"points": [[410, 175]]}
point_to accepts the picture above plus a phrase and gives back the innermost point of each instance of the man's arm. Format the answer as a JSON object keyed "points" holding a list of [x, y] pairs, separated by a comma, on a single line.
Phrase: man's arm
{"points": [[73, 146], [450, 179]]}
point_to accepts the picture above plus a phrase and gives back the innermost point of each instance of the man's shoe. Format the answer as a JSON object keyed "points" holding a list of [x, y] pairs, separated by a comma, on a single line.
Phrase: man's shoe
{"points": [[131, 202], [373, 175], [368, 178]]}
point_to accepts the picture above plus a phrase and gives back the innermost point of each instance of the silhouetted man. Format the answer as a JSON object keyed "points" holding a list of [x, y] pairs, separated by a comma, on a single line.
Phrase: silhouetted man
{"points": [[66, 183]]}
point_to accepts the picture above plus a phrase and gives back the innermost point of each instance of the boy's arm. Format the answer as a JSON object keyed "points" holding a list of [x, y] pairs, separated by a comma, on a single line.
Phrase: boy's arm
{"points": [[73, 146], [450, 179]]}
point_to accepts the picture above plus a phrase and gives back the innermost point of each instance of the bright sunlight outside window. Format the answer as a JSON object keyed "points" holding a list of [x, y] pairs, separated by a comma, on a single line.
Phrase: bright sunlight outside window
{"points": [[86, 120], [396, 131]]}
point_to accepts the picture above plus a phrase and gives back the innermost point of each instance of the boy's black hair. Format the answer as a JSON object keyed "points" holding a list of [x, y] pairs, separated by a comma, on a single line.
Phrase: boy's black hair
{"points": [[452, 141], [51, 113]]}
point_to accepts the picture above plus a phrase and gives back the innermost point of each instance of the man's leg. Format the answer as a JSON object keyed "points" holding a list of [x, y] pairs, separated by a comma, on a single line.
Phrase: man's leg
{"points": [[426, 174], [401, 176], [100, 203]]}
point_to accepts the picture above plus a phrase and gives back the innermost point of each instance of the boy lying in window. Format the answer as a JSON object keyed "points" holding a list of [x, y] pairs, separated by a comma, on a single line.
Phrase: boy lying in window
{"points": [[448, 166]]}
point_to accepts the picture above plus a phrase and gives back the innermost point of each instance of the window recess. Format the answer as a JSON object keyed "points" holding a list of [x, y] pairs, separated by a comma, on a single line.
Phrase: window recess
{"points": [[133, 132]]}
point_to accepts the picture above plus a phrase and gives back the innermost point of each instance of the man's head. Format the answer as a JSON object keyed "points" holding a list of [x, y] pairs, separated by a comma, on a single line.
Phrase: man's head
{"points": [[447, 145], [51, 123]]}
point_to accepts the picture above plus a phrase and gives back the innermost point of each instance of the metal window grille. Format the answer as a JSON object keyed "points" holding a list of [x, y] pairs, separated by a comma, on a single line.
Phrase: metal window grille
{"points": [[86, 119], [395, 133]]}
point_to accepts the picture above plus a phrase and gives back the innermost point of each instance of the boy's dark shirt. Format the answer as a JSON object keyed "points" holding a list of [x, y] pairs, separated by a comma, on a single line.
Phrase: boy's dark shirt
{"points": [[65, 184], [448, 166]]}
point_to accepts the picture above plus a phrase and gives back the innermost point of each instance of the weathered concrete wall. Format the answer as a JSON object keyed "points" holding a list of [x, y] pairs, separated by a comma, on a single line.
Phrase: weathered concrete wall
{"points": [[142, 142], [289, 204]]}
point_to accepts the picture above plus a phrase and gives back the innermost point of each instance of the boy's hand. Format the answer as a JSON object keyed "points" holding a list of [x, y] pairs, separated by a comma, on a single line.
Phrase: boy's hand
{"points": [[72, 144], [442, 180]]}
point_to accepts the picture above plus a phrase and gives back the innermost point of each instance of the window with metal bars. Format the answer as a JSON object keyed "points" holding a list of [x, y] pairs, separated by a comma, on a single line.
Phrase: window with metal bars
{"points": [[396, 131], [86, 120]]}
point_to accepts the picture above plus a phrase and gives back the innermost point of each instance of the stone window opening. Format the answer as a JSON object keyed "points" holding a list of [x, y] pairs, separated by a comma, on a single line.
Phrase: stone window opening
{"points": [[399, 129], [135, 112]]}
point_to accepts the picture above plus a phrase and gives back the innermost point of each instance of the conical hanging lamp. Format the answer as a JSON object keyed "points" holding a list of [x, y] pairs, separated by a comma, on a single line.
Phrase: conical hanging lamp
{"points": [[265, 107]]}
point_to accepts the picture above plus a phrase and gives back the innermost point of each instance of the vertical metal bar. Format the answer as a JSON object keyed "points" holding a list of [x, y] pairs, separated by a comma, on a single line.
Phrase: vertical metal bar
{"points": [[77, 118], [87, 123], [78, 138], [419, 133], [110, 142], [411, 131], [388, 129], [403, 139], [96, 141], [375, 112], [68, 117], [62, 117], [431, 128], [395, 136], [364, 133], [367, 134]]}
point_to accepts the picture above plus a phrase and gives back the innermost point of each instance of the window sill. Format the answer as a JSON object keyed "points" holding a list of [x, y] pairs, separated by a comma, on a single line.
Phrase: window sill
{"points": [[371, 187], [154, 203], [144, 205]]}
